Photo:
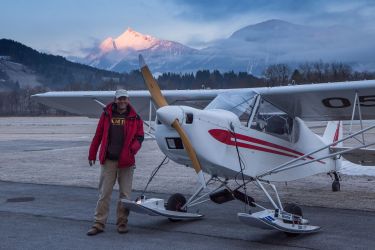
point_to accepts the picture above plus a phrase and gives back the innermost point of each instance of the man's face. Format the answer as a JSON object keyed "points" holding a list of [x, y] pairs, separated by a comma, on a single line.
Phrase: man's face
{"points": [[122, 102]]}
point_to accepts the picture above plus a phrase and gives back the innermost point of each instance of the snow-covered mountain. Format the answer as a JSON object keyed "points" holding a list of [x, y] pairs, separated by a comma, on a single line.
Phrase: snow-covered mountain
{"points": [[248, 49], [283, 41], [255, 46], [121, 53], [272, 29]]}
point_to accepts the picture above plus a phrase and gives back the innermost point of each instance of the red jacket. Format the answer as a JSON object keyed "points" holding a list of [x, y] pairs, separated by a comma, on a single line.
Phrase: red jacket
{"points": [[133, 137]]}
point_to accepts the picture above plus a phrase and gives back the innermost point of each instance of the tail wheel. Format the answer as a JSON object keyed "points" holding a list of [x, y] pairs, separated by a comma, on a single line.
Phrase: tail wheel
{"points": [[336, 186], [175, 203]]}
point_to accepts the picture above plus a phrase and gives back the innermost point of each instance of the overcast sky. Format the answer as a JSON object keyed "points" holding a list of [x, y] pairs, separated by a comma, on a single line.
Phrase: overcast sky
{"points": [[66, 27]]}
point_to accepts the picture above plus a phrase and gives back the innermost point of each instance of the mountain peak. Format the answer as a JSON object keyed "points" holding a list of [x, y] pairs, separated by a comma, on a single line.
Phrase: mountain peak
{"points": [[129, 39], [114, 51], [270, 28], [273, 22], [107, 45], [130, 32]]}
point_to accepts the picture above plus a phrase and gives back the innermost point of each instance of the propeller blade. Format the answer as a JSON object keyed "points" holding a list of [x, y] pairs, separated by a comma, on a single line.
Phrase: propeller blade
{"points": [[160, 101], [151, 83], [190, 150]]}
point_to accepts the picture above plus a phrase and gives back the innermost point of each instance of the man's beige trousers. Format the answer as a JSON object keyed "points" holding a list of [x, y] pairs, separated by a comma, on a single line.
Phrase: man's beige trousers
{"points": [[109, 173]]}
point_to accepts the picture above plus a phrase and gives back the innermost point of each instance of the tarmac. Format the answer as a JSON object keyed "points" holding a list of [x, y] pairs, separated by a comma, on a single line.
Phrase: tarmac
{"points": [[48, 195]]}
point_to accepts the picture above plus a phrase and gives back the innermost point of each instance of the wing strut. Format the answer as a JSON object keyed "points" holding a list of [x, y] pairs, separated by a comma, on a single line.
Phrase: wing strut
{"points": [[99, 102], [356, 103]]}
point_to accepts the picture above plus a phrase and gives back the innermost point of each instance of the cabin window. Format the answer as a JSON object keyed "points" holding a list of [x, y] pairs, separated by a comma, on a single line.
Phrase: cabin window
{"points": [[271, 120], [241, 103]]}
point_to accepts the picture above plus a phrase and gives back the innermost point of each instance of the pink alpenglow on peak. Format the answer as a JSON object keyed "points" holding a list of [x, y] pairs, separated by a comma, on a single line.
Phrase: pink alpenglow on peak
{"points": [[130, 39], [107, 45], [121, 53]]}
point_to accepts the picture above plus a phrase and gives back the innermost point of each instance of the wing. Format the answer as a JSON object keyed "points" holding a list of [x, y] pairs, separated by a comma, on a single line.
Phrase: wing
{"points": [[323, 102], [86, 103], [312, 102], [362, 156]]}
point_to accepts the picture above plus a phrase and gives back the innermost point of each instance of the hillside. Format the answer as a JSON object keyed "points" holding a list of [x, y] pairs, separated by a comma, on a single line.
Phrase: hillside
{"points": [[43, 69]]}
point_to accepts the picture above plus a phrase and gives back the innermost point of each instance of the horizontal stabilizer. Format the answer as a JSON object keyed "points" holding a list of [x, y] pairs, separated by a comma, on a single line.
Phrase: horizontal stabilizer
{"points": [[362, 156]]}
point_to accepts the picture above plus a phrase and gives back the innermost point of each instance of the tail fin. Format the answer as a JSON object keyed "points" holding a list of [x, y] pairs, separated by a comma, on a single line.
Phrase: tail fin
{"points": [[333, 132]]}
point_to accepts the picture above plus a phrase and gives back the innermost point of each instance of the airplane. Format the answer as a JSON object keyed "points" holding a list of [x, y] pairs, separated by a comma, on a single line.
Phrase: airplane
{"points": [[251, 135]]}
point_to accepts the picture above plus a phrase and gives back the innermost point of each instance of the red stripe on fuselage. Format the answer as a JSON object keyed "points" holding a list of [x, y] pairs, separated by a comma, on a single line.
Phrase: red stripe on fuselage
{"points": [[225, 136]]}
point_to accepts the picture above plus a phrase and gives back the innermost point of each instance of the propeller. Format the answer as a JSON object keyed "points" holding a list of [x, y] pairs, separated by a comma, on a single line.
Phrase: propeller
{"points": [[160, 101]]}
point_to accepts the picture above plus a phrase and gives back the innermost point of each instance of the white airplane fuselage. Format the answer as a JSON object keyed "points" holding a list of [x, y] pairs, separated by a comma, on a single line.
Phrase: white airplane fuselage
{"points": [[219, 138]]}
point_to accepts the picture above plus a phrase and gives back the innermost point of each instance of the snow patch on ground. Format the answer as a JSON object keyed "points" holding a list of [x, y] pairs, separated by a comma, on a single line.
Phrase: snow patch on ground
{"points": [[51, 154], [349, 168]]}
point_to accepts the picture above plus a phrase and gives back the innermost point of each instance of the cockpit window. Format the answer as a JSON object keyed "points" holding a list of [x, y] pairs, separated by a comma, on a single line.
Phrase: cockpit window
{"points": [[240, 103], [271, 120]]}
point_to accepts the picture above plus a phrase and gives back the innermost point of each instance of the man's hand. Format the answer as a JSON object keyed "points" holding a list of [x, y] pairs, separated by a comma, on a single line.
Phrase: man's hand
{"points": [[91, 162]]}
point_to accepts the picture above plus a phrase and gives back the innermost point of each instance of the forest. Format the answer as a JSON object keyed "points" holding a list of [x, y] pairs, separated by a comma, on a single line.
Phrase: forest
{"points": [[18, 101]]}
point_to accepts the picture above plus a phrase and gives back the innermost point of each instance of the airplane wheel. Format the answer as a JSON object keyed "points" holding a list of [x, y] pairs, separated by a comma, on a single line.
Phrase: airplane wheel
{"points": [[335, 186], [293, 209], [175, 203]]}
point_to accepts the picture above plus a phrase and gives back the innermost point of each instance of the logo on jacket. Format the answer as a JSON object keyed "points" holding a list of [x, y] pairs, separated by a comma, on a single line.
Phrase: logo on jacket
{"points": [[117, 121]]}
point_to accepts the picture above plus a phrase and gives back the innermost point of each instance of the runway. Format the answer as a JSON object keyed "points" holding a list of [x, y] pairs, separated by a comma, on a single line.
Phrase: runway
{"points": [[48, 195], [57, 217]]}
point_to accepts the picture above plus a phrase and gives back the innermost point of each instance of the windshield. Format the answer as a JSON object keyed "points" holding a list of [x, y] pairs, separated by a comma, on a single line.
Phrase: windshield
{"points": [[240, 103], [271, 120]]}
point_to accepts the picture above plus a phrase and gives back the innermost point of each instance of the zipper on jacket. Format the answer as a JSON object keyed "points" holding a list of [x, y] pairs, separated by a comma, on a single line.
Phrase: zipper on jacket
{"points": [[106, 146]]}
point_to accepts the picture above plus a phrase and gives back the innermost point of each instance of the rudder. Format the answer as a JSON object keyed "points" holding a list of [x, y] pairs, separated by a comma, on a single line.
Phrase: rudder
{"points": [[333, 133]]}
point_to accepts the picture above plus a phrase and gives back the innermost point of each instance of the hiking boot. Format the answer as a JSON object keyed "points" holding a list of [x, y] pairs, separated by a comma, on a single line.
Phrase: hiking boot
{"points": [[122, 229], [94, 231]]}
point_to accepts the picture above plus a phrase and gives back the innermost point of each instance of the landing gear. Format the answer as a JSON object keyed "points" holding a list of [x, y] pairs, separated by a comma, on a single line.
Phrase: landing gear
{"points": [[226, 195], [176, 203], [288, 219], [336, 182], [292, 209], [335, 186]]}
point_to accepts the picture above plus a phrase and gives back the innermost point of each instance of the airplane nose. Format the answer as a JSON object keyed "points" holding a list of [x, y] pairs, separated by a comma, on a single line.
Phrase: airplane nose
{"points": [[168, 114]]}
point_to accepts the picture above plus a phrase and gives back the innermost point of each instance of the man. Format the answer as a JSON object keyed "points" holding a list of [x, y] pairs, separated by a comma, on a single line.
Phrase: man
{"points": [[120, 134]]}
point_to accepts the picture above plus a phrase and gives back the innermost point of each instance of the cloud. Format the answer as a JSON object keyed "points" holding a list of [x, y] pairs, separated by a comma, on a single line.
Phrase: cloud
{"points": [[307, 11], [222, 17], [195, 10], [61, 27]]}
